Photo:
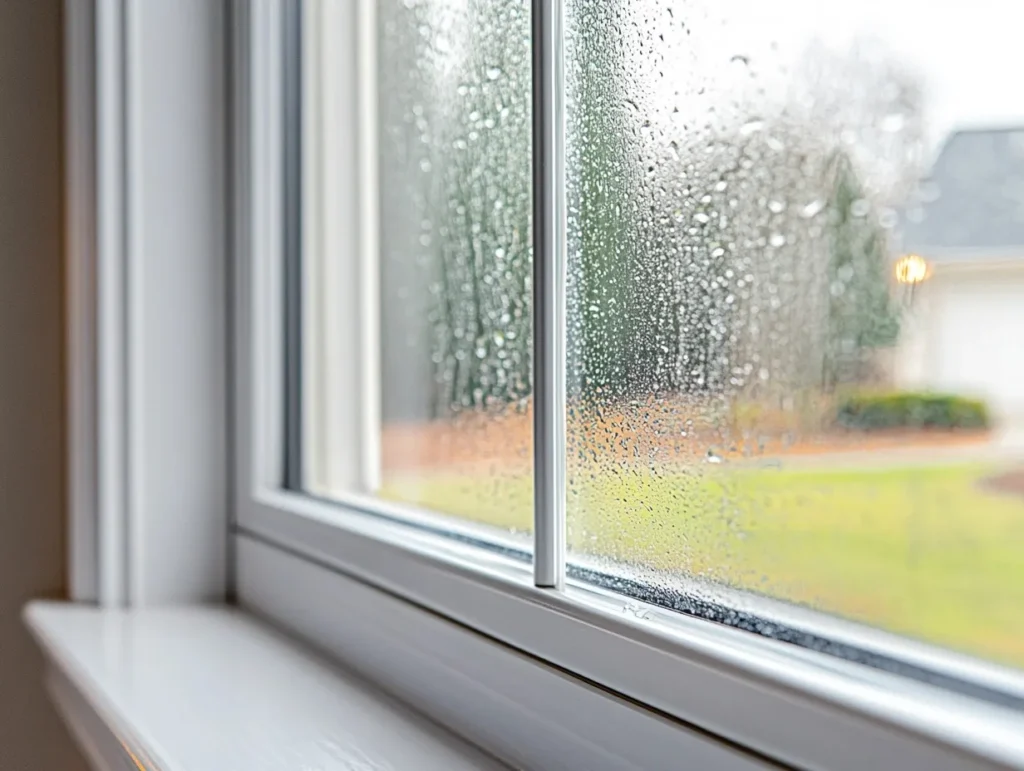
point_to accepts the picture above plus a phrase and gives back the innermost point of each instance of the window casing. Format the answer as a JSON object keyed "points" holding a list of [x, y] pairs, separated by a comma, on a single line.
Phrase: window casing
{"points": [[765, 700]]}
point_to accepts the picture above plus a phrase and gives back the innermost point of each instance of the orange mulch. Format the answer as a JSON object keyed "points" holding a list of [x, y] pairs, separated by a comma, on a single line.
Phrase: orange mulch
{"points": [[464, 441], [662, 432]]}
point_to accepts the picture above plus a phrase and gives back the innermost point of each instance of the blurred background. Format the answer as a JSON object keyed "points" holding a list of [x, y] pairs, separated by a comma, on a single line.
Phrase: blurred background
{"points": [[795, 296]]}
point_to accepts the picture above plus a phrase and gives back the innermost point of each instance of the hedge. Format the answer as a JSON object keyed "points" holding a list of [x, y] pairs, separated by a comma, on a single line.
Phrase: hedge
{"points": [[912, 410]]}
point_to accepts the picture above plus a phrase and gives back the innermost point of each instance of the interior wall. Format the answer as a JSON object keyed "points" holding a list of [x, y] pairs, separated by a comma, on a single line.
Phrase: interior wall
{"points": [[32, 458]]}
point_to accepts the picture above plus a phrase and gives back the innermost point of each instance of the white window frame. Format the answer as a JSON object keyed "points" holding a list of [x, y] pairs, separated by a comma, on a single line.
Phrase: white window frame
{"points": [[577, 677], [773, 699], [146, 147]]}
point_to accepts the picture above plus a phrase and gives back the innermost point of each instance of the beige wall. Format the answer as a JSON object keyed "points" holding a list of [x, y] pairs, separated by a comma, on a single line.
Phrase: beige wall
{"points": [[32, 528]]}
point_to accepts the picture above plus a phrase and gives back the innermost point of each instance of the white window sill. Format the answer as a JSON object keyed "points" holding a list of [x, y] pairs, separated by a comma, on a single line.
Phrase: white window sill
{"points": [[195, 688]]}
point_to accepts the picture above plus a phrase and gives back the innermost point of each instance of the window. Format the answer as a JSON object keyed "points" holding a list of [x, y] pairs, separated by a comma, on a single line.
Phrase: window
{"points": [[793, 287], [452, 345], [759, 396], [708, 309]]}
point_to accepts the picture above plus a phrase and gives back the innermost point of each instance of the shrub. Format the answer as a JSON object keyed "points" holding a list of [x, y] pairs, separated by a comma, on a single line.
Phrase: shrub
{"points": [[911, 410]]}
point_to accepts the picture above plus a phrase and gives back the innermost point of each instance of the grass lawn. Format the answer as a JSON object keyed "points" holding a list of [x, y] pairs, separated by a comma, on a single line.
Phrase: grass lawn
{"points": [[923, 551]]}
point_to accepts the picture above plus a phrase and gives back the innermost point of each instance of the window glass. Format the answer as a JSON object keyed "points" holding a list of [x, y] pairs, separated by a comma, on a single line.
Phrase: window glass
{"points": [[796, 306], [795, 295], [455, 347]]}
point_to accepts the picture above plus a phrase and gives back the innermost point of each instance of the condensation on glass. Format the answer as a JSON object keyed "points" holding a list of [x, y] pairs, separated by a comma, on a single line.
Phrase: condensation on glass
{"points": [[454, 99], [796, 306]]}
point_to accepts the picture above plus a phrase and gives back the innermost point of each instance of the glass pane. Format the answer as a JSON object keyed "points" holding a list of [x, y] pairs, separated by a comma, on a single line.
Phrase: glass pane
{"points": [[796, 306], [456, 257]]}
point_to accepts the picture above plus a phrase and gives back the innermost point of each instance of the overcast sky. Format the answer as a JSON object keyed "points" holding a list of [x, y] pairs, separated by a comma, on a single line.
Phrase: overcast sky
{"points": [[970, 53]]}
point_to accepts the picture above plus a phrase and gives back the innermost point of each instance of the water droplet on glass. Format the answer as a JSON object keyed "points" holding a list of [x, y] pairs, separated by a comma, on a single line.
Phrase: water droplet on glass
{"points": [[860, 208], [893, 123], [812, 209], [751, 127]]}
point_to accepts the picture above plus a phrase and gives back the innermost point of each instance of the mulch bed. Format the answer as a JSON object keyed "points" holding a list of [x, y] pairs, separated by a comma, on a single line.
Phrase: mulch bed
{"points": [[505, 440]]}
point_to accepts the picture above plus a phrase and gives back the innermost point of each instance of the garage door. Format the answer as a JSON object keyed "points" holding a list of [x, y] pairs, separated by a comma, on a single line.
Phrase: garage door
{"points": [[979, 341]]}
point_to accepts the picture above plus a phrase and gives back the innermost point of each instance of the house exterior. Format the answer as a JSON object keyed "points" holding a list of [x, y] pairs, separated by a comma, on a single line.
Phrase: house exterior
{"points": [[963, 331]]}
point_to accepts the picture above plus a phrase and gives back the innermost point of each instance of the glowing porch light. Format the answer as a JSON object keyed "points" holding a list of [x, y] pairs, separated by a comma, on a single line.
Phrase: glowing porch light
{"points": [[911, 269]]}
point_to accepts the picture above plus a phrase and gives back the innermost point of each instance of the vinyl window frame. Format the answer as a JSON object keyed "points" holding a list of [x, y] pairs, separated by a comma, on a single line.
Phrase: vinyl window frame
{"points": [[544, 673]]}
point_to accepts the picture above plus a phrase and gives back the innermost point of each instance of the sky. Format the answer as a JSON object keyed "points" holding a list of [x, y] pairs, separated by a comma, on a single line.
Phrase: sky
{"points": [[969, 53]]}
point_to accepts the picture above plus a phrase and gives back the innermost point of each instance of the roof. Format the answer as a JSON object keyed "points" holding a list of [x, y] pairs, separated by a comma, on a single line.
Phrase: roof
{"points": [[974, 198]]}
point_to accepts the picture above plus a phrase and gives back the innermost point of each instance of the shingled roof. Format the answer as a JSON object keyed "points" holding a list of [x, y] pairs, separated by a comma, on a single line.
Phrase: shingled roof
{"points": [[973, 202]]}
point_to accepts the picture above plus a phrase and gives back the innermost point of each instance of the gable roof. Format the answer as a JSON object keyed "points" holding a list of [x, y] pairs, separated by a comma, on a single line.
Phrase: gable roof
{"points": [[974, 198]]}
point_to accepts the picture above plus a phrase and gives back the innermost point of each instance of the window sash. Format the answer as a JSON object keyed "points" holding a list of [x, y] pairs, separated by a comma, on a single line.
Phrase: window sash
{"points": [[682, 666]]}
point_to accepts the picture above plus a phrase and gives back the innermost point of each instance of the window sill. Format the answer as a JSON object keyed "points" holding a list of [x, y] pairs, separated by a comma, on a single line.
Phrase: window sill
{"points": [[189, 688]]}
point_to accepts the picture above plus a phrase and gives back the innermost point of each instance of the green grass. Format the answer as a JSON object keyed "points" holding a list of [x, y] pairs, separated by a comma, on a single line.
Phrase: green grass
{"points": [[922, 551]]}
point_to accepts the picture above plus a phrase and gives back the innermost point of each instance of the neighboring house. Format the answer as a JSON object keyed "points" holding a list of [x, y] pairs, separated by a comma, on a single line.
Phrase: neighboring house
{"points": [[964, 330]]}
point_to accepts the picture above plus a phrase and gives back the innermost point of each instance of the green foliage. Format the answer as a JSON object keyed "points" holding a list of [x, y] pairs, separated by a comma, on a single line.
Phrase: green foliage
{"points": [[688, 271], [912, 410], [481, 213], [456, 184], [602, 253], [862, 312]]}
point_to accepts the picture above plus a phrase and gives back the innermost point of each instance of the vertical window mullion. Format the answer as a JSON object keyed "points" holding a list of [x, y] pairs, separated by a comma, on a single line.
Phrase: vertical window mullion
{"points": [[548, 296]]}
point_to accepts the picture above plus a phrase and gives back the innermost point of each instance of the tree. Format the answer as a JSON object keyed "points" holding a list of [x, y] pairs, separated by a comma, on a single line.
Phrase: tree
{"points": [[456, 111], [862, 313], [602, 256], [869, 109], [742, 255]]}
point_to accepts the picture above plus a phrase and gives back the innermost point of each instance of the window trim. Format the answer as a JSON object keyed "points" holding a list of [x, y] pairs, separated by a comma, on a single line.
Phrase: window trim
{"points": [[788, 704], [80, 139], [340, 437], [146, 138], [724, 681], [519, 709], [411, 591]]}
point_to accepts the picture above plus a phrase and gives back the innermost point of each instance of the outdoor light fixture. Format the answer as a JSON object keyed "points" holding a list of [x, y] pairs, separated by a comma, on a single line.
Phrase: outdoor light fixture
{"points": [[911, 269]]}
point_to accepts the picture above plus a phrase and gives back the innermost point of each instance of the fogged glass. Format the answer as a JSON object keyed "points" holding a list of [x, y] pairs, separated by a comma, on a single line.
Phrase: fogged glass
{"points": [[796, 306], [454, 91]]}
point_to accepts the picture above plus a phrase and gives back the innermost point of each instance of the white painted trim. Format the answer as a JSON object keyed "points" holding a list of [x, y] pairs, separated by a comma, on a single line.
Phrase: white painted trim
{"points": [[549, 294], [147, 256], [527, 713], [368, 152], [322, 319], [80, 299], [336, 419], [340, 261], [312, 565], [112, 457], [177, 337], [206, 687], [258, 262], [94, 732], [801, 707]]}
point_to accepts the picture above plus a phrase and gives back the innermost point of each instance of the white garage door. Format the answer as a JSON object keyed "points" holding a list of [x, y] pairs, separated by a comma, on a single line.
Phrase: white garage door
{"points": [[979, 341]]}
